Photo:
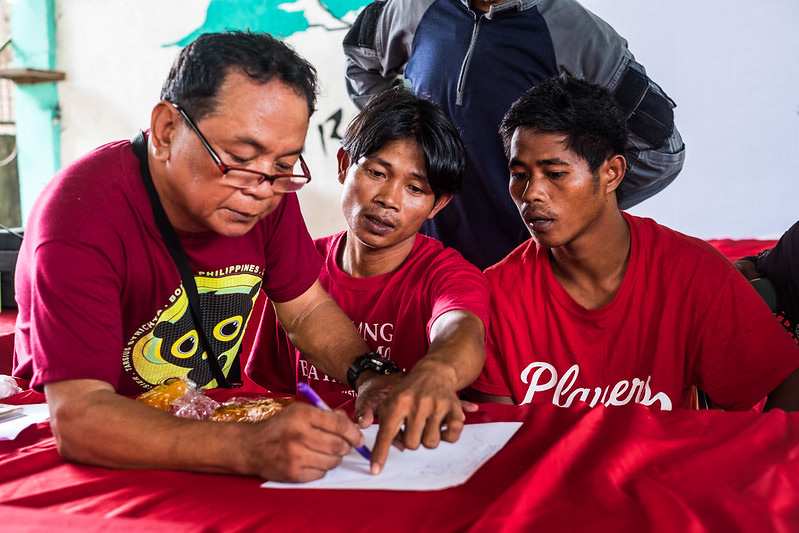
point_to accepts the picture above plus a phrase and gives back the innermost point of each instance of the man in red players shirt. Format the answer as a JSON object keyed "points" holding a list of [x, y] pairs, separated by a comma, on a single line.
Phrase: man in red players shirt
{"points": [[421, 307], [604, 307]]}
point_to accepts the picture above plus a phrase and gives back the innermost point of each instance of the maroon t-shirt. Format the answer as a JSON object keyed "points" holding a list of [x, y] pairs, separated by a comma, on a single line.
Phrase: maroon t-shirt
{"points": [[100, 297]]}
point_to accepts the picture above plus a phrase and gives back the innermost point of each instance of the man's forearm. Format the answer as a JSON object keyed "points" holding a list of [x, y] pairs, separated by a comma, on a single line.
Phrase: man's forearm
{"points": [[457, 348], [92, 424], [97, 426]]}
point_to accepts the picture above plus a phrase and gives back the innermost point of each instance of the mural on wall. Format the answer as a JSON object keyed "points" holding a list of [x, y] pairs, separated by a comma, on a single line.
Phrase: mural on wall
{"points": [[281, 18]]}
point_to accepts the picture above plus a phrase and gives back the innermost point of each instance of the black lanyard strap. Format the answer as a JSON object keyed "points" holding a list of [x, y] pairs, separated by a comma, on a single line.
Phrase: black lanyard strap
{"points": [[170, 238]]}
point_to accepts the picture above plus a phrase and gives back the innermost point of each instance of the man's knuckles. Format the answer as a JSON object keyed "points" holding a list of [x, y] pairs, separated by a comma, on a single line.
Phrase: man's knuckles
{"points": [[431, 439]]}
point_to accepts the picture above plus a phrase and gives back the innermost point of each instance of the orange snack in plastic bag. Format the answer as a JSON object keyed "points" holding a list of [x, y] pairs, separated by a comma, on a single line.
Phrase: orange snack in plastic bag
{"points": [[161, 396], [250, 411]]}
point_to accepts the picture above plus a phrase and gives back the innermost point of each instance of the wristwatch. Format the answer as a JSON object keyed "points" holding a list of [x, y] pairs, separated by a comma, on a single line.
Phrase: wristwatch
{"points": [[370, 361]]}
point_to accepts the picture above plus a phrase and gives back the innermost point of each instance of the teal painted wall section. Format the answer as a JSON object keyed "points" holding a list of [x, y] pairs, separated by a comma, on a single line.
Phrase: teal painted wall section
{"points": [[36, 106], [340, 8], [281, 18], [255, 15]]}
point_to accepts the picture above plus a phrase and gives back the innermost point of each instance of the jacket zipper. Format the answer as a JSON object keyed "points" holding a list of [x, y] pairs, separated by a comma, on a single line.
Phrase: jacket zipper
{"points": [[467, 61]]}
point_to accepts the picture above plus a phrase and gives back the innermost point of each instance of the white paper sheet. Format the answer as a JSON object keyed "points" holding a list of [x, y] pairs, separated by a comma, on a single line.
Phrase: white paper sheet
{"points": [[31, 414], [449, 465]]}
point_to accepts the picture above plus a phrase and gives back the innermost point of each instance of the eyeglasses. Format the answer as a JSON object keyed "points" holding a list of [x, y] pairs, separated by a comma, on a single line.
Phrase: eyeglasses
{"points": [[245, 178]]}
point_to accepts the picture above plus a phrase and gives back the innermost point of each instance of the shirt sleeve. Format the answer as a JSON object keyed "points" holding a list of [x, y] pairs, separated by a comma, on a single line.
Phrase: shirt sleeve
{"points": [[75, 314], [292, 262], [378, 46], [456, 284]]}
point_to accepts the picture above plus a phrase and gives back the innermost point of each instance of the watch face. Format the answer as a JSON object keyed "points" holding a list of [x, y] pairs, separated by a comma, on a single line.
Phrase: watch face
{"points": [[380, 363], [370, 361]]}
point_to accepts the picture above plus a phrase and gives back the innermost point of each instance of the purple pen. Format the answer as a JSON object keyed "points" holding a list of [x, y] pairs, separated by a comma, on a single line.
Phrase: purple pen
{"points": [[315, 399]]}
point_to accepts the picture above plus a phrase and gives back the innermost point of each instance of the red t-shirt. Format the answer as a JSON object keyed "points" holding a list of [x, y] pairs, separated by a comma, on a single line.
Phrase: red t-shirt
{"points": [[682, 317], [394, 312], [100, 297]]}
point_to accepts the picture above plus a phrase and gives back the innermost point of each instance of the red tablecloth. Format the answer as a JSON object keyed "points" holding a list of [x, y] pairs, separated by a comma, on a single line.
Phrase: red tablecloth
{"points": [[734, 249], [600, 469], [23, 519]]}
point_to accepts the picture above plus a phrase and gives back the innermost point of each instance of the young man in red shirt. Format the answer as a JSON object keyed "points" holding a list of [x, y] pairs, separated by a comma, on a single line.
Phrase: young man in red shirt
{"points": [[604, 307], [418, 305]]}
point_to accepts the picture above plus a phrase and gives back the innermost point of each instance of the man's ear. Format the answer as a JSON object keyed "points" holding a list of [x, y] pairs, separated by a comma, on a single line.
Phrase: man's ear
{"points": [[163, 122], [343, 158], [442, 201], [615, 167]]}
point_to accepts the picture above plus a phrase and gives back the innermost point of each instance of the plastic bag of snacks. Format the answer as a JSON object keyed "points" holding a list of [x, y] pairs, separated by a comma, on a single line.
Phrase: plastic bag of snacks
{"points": [[249, 410], [194, 404], [8, 387], [181, 397]]}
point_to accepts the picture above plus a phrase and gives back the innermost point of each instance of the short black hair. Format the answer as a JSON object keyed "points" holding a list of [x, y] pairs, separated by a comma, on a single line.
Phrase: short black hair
{"points": [[586, 113], [200, 68], [397, 114]]}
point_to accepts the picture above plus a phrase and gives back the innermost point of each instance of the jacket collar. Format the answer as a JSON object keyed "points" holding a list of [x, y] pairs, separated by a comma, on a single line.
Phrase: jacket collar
{"points": [[507, 8]]}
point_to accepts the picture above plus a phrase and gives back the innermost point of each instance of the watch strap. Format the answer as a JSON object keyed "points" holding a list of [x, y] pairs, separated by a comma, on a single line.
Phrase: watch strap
{"points": [[370, 361]]}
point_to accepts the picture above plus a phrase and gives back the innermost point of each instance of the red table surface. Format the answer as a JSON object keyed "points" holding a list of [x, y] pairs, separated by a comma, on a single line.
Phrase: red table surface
{"points": [[734, 249], [22, 519], [600, 469]]}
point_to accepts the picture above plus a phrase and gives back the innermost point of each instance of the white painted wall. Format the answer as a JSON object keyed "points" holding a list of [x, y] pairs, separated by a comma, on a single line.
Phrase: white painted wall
{"points": [[731, 66]]}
